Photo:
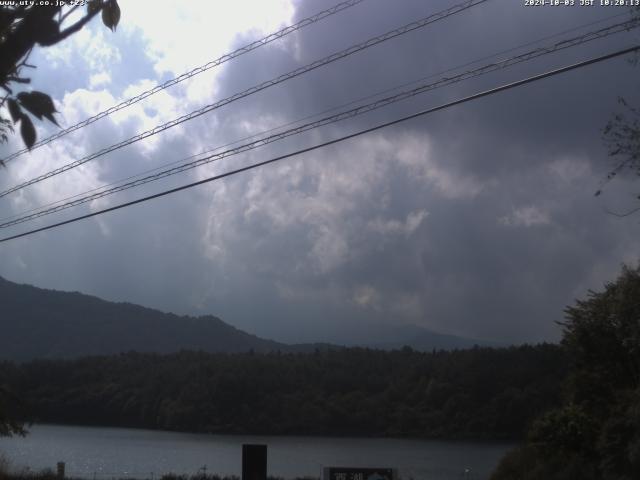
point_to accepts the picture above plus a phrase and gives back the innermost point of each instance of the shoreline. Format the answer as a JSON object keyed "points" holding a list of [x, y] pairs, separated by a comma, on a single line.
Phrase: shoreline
{"points": [[114, 453], [457, 441]]}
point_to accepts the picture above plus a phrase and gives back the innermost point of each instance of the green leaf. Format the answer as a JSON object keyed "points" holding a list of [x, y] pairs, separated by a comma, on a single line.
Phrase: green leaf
{"points": [[111, 14], [14, 110], [27, 131], [39, 104]]}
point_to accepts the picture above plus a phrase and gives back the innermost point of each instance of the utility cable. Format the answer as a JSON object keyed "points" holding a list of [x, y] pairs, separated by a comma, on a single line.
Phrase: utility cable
{"points": [[334, 141], [89, 196], [187, 75], [257, 88], [308, 117]]}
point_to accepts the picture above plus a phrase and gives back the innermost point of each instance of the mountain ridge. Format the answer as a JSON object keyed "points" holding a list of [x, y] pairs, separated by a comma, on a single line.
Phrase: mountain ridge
{"points": [[39, 323], [44, 323]]}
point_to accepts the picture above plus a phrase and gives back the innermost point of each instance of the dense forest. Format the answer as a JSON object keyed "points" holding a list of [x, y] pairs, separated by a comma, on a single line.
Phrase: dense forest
{"points": [[482, 393], [594, 434]]}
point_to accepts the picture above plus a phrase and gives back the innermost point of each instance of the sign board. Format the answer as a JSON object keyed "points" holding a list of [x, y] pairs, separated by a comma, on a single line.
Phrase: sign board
{"points": [[254, 462], [351, 473]]}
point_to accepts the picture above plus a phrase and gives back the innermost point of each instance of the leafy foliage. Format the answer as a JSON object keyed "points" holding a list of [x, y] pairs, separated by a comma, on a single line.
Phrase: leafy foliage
{"points": [[24, 26], [596, 432], [622, 137], [477, 393], [111, 14], [38, 104], [11, 410]]}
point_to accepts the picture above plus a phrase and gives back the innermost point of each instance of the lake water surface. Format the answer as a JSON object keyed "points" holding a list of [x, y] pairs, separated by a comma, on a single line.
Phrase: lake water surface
{"points": [[103, 453]]}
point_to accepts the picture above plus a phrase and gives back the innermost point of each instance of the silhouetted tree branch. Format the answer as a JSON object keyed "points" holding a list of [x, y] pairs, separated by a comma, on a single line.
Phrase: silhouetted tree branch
{"points": [[622, 137], [21, 29]]}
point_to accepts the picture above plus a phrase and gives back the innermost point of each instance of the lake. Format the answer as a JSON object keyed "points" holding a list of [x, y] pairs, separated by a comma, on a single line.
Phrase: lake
{"points": [[103, 453]]}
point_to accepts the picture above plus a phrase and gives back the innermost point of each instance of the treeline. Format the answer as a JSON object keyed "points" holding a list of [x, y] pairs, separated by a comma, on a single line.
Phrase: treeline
{"points": [[48, 474], [481, 393]]}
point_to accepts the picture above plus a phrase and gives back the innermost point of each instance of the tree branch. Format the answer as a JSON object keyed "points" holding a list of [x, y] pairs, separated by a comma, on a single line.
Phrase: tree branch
{"points": [[22, 38], [621, 215], [76, 27], [11, 78], [69, 12]]}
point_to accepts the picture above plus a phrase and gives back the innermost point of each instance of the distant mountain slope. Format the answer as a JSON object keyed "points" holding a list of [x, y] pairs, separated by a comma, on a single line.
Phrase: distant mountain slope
{"points": [[39, 323], [385, 336], [423, 339]]}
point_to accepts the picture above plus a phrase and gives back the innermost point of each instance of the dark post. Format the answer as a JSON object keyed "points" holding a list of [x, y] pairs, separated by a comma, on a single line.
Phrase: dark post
{"points": [[254, 462], [60, 466]]}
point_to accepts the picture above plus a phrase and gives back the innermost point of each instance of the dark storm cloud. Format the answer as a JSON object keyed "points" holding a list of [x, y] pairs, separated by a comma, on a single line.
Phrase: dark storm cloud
{"points": [[478, 220]]}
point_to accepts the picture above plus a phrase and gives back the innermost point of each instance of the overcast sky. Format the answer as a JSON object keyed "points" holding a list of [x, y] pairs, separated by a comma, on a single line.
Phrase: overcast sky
{"points": [[479, 220]]}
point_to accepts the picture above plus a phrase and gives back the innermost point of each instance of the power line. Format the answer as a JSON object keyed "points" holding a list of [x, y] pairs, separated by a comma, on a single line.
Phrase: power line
{"points": [[187, 75], [299, 120], [536, 53], [308, 117], [257, 88], [334, 141], [352, 102]]}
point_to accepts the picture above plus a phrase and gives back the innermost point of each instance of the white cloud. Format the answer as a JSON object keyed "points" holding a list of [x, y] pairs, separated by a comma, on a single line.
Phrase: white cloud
{"points": [[366, 296], [330, 249], [181, 37], [89, 46], [81, 103], [568, 170], [415, 153], [99, 80], [407, 227], [322, 195], [529, 216]]}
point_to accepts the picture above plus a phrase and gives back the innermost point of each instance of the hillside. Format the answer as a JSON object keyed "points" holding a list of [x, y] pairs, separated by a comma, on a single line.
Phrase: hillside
{"points": [[394, 337], [39, 323]]}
